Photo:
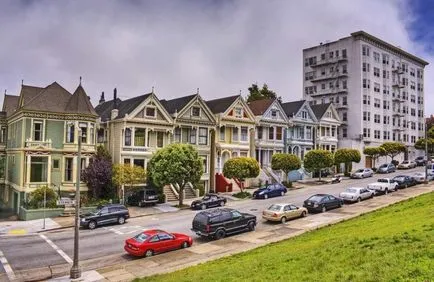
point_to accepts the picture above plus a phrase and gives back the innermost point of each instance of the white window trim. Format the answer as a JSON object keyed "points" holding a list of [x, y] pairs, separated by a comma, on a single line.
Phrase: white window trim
{"points": [[200, 112], [150, 107]]}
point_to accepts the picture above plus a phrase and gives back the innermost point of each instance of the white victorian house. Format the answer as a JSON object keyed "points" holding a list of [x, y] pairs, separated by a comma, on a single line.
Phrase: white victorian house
{"points": [[327, 127]]}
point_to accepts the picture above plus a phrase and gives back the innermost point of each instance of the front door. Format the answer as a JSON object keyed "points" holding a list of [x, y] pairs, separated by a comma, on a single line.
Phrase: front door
{"points": [[16, 203]]}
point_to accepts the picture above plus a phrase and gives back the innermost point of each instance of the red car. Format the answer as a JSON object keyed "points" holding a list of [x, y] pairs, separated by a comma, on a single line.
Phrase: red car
{"points": [[151, 242]]}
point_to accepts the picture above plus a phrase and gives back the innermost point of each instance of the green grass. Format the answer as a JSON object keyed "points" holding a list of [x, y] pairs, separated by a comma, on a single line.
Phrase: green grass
{"points": [[392, 244]]}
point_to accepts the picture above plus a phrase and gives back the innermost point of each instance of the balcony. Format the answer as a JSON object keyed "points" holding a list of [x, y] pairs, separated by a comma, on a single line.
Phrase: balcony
{"points": [[330, 76], [398, 85], [398, 70], [397, 99], [341, 106], [38, 144], [398, 114], [329, 61], [333, 91]]}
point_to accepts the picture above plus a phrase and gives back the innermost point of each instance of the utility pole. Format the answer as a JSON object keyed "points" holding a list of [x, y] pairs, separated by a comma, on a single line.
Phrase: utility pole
{"points": [[75, 272], [426, 152], [45, 204]]}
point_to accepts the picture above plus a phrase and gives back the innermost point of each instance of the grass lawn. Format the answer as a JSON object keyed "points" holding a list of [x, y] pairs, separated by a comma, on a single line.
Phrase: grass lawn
{"points": [[393, 244]]}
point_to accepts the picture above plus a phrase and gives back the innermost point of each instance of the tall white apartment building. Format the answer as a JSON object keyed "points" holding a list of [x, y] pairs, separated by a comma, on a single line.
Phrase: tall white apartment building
{"points": [[377, 88]]}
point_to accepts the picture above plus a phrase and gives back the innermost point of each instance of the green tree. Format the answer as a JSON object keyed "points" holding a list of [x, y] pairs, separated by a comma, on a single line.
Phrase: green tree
{"points": [[36, 198], [347, 156], [98, 175], [256, 93], [316, 160], [374, 153], [420, 145], [128, 176], [393, 149], [286, 163], [176, 164], [241, 168]]}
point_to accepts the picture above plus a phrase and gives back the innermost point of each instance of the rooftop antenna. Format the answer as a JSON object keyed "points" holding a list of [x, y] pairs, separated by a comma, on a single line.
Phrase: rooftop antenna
{"points": [[80, 80], [152, 89], [22, 82], [197, 91]]}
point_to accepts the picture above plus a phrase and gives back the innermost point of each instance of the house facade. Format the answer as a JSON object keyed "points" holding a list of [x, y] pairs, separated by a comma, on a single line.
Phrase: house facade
{"points": [[327, 127], [43, 125]]}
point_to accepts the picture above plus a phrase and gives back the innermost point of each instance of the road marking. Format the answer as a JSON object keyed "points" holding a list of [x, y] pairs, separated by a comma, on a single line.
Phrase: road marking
{"points": [[57, 249], [10, 273]]}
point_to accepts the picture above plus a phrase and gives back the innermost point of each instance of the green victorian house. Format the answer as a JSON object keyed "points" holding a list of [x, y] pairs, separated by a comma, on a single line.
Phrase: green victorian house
{"points": [[41, 128]]}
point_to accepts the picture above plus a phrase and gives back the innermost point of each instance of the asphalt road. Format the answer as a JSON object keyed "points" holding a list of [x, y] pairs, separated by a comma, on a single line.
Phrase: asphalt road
{"points": [[104, 245]]}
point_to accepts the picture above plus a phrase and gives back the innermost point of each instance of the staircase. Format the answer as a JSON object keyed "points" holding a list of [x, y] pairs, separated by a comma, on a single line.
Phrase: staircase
{"points": [[189, 191], [69, 210], [170, 194], [273, 175]]}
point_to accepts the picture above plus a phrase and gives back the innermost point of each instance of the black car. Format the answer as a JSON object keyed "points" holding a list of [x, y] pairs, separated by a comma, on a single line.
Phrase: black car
{"points": [[209, 201], [143, 197], [218, 223], [322, 202], [420, 161], [106, 214], [404, 181]]}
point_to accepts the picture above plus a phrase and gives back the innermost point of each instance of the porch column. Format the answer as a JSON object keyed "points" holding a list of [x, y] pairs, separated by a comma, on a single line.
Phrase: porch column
{"points": [[29, 159], [133, 134], [260, 156], [146, 137]]}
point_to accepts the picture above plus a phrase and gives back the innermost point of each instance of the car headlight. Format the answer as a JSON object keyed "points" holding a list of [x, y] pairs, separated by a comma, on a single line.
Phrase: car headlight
{"points": [[315, 205]]}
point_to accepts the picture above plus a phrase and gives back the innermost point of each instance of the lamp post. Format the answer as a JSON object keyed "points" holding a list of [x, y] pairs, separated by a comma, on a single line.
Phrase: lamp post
{"points": [[75, 272], [426, 152], [45, 204]]}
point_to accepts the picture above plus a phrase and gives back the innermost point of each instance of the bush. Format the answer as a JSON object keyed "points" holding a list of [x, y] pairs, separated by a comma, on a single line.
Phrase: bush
{"points": [[347, 174], [242, 195], [374, 169], [36, 198], [201, 189], [395, 162], [287, 184], [161, 198]]}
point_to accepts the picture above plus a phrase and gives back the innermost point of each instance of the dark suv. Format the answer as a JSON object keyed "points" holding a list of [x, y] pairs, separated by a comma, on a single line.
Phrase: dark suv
{"points": [[110, 213], [143, 197], [218, 223]]}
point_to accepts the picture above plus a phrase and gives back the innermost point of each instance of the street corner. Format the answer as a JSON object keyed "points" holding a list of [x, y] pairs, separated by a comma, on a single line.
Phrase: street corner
{"points": [[88, 276]]}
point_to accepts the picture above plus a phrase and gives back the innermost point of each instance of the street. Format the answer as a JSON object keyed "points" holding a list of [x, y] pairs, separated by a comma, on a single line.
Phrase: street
{"points": [[104, 245]]}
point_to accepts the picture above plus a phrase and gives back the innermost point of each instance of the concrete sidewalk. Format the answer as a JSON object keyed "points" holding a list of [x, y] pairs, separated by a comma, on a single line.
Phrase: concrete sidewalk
{"points": [[212, 250]]}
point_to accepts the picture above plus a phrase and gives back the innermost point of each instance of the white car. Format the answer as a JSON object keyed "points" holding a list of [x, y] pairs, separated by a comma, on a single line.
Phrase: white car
{"points": [[362, 173], [407, 165], [383, 185], [420, 177], [356, 194]]}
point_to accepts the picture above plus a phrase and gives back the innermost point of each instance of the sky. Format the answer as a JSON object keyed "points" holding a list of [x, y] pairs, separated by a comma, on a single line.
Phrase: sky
{"points": [[220, 47]]}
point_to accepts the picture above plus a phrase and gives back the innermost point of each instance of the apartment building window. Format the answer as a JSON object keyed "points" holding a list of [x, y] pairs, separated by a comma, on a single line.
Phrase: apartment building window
{"points": [[344, 53], [331, 85], [310, 75], [195, 111], [376, 72], [271, 133], [366, 100], [308, 133], [83, 127], [344, 132], [419, 73], [386, 135], [420, 100], [365, 50], [235, 134], [377, 118], [323, 56], [413, 139], [344, 100], [344, 84], [331, 100], [344, 116], [279, 131], [366, 83], [366, 132], [376, 57], [323, 86], [385, 59], [260, 130], [377, 134], [222, 133], [344, 69], [193, 135], [412, 72], [413, 85], [413, 112], [377, 103], [139, 137], [377, 87], [385, 105], [203, 136], [177, 134], [366, 116], [393, 136], [337, 83], [127, 137], [413, 125], [420, 87], [337, 53], [70, 133], [244, 134], [386, 119], [413, 98], [68, 169], [331, 55], [366, 67]]}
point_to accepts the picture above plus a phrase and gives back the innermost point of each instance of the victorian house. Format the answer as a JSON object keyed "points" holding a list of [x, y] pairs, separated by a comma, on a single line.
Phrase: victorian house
{"points": [[301, 136], [43, 125], [327, 126]]}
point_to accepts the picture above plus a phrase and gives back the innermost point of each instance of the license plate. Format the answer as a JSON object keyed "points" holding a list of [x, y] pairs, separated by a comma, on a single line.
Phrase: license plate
{"points": [[151, 197]]}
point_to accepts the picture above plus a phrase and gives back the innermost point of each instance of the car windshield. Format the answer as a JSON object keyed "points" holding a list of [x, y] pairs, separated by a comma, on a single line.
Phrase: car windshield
{"points": [[382, 180], [399, 178], [359, 170], [142, 237], [315, 198], [274, 207], [383, 165], [206, 198], [351, 190]]}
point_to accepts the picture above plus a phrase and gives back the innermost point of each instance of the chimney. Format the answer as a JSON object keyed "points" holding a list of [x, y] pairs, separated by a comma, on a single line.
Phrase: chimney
{"points": [[115, 98], [102, 99]]}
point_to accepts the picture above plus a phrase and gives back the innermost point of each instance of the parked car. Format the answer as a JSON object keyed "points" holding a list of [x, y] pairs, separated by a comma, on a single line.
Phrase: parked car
{"points": [[271, 190], [383, 185], [362, 173], [420, 177], [420, 161], [143, 197], [407, 164], [322, 203], [386, 168], [404, 181], [151, 242], [209, 201], [283, 212], [356, 194], [218, 223], [106, 214]]}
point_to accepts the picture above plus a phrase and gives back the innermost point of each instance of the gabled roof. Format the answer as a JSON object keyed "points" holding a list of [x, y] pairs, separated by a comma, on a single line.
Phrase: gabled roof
{"points": [[259, 107], [28, 93], [104, 109], [53, 98], [80, 103], [320, 109], [10, 104], [291, 108], [124, 107], [176, 105], [218, 106]]}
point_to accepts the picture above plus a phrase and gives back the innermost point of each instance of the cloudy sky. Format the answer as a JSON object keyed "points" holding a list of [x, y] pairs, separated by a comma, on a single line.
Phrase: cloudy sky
{"points": [[220, 47]]}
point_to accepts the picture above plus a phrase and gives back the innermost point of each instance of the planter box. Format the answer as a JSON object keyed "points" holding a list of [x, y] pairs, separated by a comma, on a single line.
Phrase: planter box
{"points": [[39, 213]]}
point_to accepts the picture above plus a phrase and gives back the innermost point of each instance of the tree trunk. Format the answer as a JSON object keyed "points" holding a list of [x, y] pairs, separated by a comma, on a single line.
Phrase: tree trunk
{"points": [[181, 195], [319, 175]]}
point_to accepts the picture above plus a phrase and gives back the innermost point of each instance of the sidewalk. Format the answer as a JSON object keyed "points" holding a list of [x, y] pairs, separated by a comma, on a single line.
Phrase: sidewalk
{"points": [[200, 253]]}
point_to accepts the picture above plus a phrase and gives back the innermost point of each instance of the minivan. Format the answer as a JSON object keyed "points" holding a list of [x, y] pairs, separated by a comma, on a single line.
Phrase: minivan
{"points": [[143, 197]]}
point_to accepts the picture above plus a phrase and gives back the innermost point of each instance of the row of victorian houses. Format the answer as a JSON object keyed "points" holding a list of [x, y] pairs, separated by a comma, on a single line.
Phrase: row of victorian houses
{"points": [[39, 134]]}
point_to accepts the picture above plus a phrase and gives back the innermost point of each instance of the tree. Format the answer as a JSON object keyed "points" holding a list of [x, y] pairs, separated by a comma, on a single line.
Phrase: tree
{"points": [[129, 176], [316, 160], [374, 153], [285, 162], [347, 156], [98, 175], [393, 149], [36, 198], [259, 94], [420, 145], [176, 164], [241, 168]]}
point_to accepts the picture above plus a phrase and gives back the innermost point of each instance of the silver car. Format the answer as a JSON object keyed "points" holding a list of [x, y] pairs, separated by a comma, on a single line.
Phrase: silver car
{"points": [[356, 194], [362, 173], [420, 177]]}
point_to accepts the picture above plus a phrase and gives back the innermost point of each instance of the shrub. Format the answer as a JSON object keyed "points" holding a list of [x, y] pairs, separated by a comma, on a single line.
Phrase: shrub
{"points": [[36, 198], [287, 184], [242, 195], [201, 189], [347, 174], [374, 169], [161, 198]]}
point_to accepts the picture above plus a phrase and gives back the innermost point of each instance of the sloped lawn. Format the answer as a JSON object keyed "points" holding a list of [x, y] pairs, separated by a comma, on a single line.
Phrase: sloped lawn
{"points": [[393, 244]]}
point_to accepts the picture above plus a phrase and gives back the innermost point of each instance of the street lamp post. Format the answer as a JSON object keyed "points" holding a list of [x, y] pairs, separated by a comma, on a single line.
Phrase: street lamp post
{"points": [[45, 204], [75, 269]]}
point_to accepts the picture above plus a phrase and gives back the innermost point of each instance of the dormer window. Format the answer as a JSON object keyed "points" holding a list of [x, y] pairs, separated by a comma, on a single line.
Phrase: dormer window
{"points": [[304, 114], [150, 112], [38, 126], [328, 114], [238, 112], [273, 114], [195, 112]]}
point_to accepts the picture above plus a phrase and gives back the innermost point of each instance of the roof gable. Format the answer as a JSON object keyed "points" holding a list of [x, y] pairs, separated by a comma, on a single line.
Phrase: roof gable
{"points": [[28, 93], [10, 104], [304, 113], [329, 114], [79, 102], [275, 113], [156, 112], [259, 107], [239, 110], [292, 108], [320, 109], [221, 105], [195, 110], [53, 98], [178, 104]]}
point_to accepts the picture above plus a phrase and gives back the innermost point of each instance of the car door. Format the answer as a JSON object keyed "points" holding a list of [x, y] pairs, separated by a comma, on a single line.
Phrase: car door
{"points": [[333, 202], [155, 244], [113, 213], [167, 242], [295, 212], [287, 211], [237, 221], [364, 193], [103, 217], [214, 202]]}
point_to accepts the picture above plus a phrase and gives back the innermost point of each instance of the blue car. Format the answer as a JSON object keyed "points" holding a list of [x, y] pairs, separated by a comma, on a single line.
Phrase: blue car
{"points": [[272, 190]]}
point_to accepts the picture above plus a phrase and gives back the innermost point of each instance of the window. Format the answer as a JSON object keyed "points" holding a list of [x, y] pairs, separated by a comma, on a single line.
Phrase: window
{"points": [[344, 100], [337, 53], [70, 130], [238, 112], [344, 84], [139, 137], [377, 103], [139, 162], [323, 56], [56, 163], [82, 165], [310, 75], [3, 135], [365, 67], [127, 161], [192, 136], [260, 130], [244, 134], [386, 119], [413, 112], [37, 130], [331, 55], [273, 114], [68, 169], [376, 57], [222, 133], [203, 136], [323, 86], [308, 133], [366, 116], [366, 132], [91, 135], [127, 136], [344, 116], [279, 133], [235, 134], [177, 134], [377, 72], [385, 59], [344, 132], [195, 111], [101, 135], [365, 50], [304, 114], [377, 134], [366, 83], [377, 119], [83, 127], [160, 139], [150, 112], [271, 133], [344, 53], [205, 164], [366, 100]]}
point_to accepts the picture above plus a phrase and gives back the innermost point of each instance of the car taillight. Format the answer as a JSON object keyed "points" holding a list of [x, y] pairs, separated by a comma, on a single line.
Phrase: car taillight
{"points": [[207, 228], [274, 214]]}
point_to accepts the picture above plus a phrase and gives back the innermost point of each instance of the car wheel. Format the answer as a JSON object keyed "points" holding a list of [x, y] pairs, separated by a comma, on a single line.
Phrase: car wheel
{"points": [[222, 204], [251, 226], [324, 209], [406, 185], [386, 191], [121, 220], [185, 245], [149, 253], [266, 196], [282, 193], [303, 214], [203, 207], [92, 225], [220, 234], [283, 219], [359, 199]]}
